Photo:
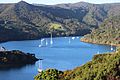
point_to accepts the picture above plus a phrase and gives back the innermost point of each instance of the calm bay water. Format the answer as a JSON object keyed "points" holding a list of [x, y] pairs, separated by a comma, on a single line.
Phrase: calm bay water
{"points": [[62, 55]]}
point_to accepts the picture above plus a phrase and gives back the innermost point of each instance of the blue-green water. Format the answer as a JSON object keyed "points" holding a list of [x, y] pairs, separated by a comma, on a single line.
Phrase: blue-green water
{"points": [[62, 55]]}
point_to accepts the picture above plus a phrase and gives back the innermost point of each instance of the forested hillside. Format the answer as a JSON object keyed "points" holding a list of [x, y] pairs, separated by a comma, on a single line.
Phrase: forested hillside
{"points": [[19, 21], [107, 33]]}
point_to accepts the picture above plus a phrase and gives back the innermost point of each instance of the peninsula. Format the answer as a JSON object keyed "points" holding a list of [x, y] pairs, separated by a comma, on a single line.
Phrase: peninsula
{"points": [[15, 58]]}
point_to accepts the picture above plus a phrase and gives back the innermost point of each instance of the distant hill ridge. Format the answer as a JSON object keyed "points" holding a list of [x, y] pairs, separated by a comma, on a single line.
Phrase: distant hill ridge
{"points": [[20, 21]]}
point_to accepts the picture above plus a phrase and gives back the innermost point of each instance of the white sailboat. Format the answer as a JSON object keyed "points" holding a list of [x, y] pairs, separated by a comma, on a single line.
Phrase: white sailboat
{"points": [[51, 40], [73, 38], [98, 52], [65, 37], [77, 37], [69, 41], [40, 66], [111, 48], [41, 42]]}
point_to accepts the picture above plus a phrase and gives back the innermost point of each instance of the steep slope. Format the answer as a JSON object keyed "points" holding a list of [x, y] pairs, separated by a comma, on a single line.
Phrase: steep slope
{"points": [[25, 21], [101, 67], [107, 33], [21, 20]]}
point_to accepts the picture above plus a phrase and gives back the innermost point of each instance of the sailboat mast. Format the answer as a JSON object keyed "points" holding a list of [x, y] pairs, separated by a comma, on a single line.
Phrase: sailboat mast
{"points": [[51, 39], [40, 66], [41, 42], [46, 42], [111, 47], [69, 41]]}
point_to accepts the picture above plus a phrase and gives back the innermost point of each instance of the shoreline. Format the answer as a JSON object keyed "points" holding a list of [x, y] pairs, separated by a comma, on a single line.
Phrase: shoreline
{"points": [[87, 41], [36, 38], [82, 40]]}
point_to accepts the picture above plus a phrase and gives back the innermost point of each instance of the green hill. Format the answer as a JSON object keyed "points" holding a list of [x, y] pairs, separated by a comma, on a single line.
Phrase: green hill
{"points": [[102, 67], [19, 21], [107, 33]]}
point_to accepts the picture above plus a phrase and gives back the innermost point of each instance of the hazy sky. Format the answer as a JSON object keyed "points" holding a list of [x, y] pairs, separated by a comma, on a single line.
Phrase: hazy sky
{"points": [[50, 2]]}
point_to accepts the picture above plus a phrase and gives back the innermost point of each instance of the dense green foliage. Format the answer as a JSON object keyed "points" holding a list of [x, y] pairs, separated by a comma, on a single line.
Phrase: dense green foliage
{"points": [[107, 33], [101, 67], [50, 74], [55, 26], [21, 20]]}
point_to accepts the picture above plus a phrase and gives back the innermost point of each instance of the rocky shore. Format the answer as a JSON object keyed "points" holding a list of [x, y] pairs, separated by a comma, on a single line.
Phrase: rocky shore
{"points": [[16, 58]]}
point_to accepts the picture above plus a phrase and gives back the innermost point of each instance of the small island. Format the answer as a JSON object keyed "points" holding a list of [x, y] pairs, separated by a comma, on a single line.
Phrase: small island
{"points": [[16, 58]]}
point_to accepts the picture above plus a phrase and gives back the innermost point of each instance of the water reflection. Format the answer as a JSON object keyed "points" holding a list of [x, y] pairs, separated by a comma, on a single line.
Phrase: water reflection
{"points": [[12, 67]]}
